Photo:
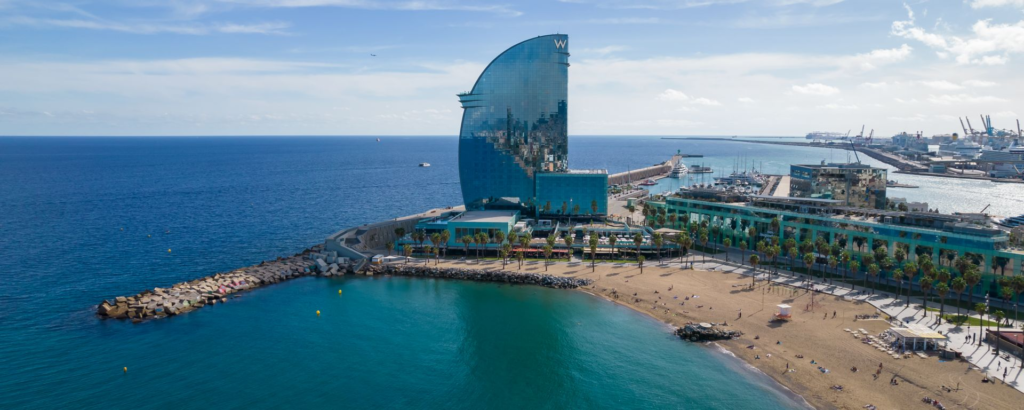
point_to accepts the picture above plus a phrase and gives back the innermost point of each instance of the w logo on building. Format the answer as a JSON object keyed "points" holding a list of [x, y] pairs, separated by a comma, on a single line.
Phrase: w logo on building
{"points": [[560, 43]]}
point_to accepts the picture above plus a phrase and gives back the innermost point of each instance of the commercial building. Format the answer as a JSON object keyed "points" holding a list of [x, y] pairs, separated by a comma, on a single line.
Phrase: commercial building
{"points": [[513, 145], [856, 185], [860, 231]]}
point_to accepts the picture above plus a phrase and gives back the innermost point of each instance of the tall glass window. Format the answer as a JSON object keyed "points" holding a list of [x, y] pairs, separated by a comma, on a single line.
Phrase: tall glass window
{"points": [[514, 122]]}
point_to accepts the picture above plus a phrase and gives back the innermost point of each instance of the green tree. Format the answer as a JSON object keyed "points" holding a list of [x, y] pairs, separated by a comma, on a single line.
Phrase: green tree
{"points": [[389, 246], [567, 239], [981, 308], [999, 314], [547, 208], [547, 255], [640, 263], [958, 286], [873, 270], [704, 245], [942, 289], [854, 267], [788, 246], [407, 250], [445, 236], [593, 251], [400, 232], [466, 240], [910, 269], [809, 263], [897, 275], [499, 238], [973, 277], [832, 263], [520, 255], [844, 259], [926, 287], [435, 239], [638, 239], [565, 207], [611, 241], [754, 261], [727, 243], [593, 206], [576, 209], [743, 251], [658, 241], [899, 255], [427, 250]]}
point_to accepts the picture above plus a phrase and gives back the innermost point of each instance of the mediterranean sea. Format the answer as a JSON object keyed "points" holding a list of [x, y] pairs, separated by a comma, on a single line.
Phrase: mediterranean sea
{"points": [[87, 219]]}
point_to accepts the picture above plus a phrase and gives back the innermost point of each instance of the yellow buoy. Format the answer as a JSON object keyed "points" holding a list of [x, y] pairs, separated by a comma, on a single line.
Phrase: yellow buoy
{"points": [[318, 313], [339, 291], [168, 250], [126, 369]]}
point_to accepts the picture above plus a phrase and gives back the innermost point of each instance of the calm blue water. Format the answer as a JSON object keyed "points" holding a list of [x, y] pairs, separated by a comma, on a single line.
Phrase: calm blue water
{"points": [[86, 219]]}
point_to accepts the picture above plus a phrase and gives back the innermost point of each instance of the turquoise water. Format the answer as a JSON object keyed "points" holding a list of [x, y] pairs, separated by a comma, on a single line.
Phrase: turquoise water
{"points": [[86, 219], [388, 343]]}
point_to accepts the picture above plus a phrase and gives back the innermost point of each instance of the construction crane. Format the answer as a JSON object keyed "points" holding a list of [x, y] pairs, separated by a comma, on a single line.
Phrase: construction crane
{"points": [[871, 136], [854, 148], [969, 127], [962, 126], [861, 135], [983, 209], [1018, 130]]}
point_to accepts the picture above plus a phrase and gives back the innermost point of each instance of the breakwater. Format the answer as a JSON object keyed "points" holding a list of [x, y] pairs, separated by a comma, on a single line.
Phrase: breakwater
{"points": [[188, 296], [481, 275], [703, 332]]}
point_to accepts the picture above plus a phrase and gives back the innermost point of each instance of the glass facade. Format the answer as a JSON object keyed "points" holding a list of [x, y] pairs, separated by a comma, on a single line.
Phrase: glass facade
{"points": [[587, 190], [856, 185], [514, 122]]}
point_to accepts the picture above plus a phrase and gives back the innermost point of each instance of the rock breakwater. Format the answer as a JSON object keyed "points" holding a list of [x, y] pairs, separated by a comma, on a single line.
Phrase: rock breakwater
{"points": [[187, 296], [704, 332], [482, 276]]}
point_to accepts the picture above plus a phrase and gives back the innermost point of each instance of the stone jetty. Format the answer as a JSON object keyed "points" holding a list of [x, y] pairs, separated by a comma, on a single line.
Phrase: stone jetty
{"points": [[480, 275], [187, 296], [705, 332]]}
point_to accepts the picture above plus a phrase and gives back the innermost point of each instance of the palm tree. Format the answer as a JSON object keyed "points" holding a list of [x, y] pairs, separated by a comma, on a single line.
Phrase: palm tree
{"points": [[427, 250], [910, 269], [466, 240], [407, 250], [743, 251], [981, 308], [999, 314], [637, 240], [503, 254], [773, 253], [567, 239], [435, 239], [445, 236], [389, 246], [958, 286], [400, 232], [926, 286], [775, 226], [640, 262], [1007, 293], [657, 241], [754, 260], [499, 238], [832, 263], [547, 255], [854, 267], [822, 247], [972, 276], [961, 264], [844, 258], [809, 263], [611, 240], [873, 271], [942, 289], [507, 253], [900, 255], [704, 244], [727, 243], [519, 257], [897, 275], [593, 206], [593, 251], [1017, 283]]}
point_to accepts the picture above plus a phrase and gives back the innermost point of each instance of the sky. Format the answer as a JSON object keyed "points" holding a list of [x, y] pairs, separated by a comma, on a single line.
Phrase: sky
{"points": [[394, 67]]}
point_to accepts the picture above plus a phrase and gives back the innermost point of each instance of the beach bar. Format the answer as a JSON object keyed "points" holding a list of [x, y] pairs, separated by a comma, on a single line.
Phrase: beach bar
{"points": [[917, 338]]}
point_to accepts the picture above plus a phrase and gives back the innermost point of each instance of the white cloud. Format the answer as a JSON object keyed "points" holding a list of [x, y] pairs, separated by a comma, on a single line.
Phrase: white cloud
{"points": [[746, 100], [148, 28], [678, 96], [876, 86], [948, 99], [942, 85], [834, 106], [989, 44], [816, 89], [415, 5], [601, 51], [979, 83], [996, 3]]}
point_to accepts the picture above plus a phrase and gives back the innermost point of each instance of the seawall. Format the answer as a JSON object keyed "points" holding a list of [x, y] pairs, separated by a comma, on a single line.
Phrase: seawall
{"points": [[481, 275]]}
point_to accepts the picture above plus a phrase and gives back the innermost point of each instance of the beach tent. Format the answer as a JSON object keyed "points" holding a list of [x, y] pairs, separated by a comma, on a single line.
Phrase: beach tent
{"points": [[784, 312], [916, 337]]}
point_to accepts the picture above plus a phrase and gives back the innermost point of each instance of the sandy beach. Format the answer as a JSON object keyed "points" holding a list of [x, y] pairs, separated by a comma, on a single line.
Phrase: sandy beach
{"points": [[790, 352]]}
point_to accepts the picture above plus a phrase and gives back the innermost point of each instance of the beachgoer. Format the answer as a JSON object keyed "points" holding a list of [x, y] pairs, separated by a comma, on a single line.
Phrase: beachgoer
{"points": [[833, 314]]}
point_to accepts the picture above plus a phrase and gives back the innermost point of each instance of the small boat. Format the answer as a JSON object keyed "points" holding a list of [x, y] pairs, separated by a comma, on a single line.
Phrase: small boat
{"points": [[648, 182], [424, 164], [700, 169], [378, 139], [678, 171]]}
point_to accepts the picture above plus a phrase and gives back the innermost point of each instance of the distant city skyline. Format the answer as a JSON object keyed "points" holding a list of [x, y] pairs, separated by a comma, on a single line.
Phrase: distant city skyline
{"points": [[647, 67]]}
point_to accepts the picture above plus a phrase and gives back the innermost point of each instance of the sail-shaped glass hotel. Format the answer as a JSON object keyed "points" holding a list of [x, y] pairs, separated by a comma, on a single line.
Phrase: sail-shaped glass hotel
{"points": [[514, 128]]}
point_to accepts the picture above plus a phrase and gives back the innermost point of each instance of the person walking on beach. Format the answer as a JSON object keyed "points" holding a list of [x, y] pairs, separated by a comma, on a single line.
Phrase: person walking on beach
{"points": [[833, 314]]}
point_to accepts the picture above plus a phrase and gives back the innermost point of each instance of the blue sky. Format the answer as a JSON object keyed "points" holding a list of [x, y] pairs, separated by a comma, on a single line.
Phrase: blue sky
{"points": [[644, 67]]}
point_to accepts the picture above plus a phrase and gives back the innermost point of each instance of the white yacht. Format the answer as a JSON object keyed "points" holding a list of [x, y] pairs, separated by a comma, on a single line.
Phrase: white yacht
{"points": [[1014, 152], [678, 171], [741, 178]]}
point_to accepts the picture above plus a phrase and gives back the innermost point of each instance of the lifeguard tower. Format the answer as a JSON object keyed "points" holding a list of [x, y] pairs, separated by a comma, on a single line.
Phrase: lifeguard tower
{"points": [[784, 313]]}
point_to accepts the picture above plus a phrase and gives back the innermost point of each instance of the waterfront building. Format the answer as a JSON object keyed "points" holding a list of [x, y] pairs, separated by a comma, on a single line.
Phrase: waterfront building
{"points": [[860, 231], [513, 144], [856, 185]]}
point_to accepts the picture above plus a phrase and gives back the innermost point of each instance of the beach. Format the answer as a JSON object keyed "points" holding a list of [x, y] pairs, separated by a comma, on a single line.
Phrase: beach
{"points": [[810, 354]]}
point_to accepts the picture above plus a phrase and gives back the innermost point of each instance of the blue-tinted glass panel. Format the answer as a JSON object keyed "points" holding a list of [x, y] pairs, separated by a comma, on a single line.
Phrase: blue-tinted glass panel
{"points": [[514, 122]]}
